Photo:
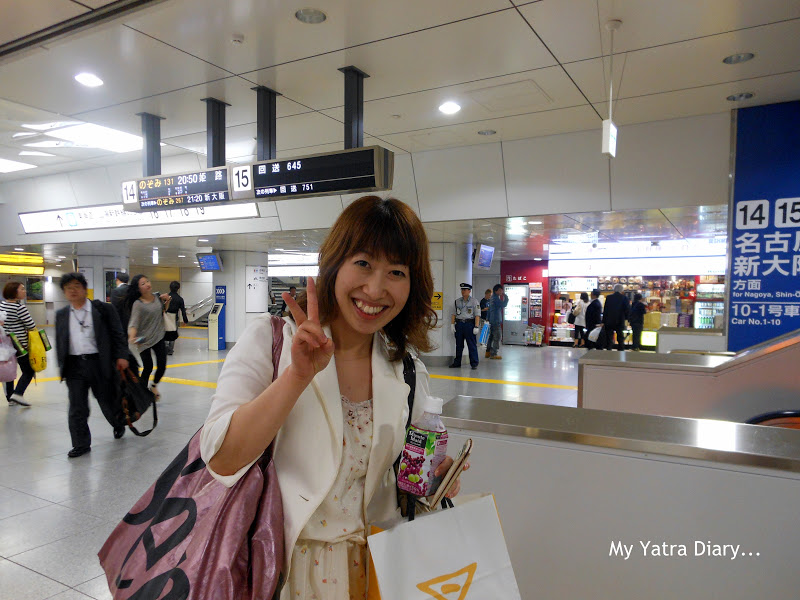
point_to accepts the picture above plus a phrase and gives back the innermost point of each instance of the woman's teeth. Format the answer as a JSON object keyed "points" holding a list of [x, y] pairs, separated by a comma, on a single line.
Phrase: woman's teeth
{"points": [[370, 310]]}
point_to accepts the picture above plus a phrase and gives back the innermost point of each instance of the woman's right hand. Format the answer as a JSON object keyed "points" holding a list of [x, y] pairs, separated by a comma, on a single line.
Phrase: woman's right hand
{"points": [[311, 348]]}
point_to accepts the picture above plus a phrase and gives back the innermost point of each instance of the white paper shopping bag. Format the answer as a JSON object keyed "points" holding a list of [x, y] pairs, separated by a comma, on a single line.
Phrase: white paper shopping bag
{"points": [[453, 554]]}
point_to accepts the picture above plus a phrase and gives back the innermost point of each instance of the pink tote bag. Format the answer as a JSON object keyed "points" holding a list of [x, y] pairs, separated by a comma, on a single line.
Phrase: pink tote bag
{"points": [[191, 538]]}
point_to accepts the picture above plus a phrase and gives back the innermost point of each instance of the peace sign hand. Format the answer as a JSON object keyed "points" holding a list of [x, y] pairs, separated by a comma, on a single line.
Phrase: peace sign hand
{"points": [[311, 348]]}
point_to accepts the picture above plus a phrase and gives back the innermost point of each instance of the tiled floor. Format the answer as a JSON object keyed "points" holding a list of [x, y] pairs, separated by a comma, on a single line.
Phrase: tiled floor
{"points": [[55, 512]]}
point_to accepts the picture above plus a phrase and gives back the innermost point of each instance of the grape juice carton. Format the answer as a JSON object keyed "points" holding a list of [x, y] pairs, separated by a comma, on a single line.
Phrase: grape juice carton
{"points": [[425, 449]]}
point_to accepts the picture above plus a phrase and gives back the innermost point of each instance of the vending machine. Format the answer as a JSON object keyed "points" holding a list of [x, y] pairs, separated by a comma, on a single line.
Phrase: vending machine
{"points": [[710, 303], [515, 316]]}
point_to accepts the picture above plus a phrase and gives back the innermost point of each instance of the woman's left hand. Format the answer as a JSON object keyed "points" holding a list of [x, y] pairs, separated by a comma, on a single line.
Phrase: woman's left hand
{"points": [[443, 467]]}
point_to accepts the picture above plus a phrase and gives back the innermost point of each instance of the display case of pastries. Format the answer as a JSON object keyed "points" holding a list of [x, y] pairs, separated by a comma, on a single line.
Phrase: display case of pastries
{"points": [[623, 280]]}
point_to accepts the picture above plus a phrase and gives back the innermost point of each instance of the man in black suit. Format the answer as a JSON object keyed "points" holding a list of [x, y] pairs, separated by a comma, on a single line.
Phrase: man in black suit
{"points": [[616, 311], [118, 298], [90, 344], [594, 316]]}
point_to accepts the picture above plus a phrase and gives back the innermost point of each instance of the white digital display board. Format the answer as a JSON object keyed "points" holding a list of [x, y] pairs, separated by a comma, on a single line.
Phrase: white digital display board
{"points": [[114, 215]]}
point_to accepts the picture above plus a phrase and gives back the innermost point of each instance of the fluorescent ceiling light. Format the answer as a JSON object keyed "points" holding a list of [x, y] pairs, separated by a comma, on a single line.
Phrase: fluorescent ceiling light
{"points": [[534, 222], [34, 153], [181, 256], [19, 249], [23, 134], [48, 126], [202, 240], [155, 256], [300, 258], [537, 259], [9, 166], [97, 136], [88, 79], [61, 257], [449, 108], [50, 144]]}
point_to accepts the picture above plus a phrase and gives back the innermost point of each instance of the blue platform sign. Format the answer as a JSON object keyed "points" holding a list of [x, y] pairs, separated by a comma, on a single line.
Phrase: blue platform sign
{"points": [[764, 286], [220, 293]]}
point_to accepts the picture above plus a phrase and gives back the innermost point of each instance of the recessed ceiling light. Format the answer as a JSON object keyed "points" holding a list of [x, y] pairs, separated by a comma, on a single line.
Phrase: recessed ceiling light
{"points": [[735, 59], [97, 136], [534, 222], [181, 256], [34, 153], [487, 132], [23, 134], [537, 259], [202, 240], [9, 166], [61, 257], [88, 79], [449, 108], [739, 97], [310, 16], [19, 249]]}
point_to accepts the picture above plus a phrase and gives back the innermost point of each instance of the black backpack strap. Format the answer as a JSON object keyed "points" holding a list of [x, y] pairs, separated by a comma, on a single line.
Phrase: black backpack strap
{"points": [[410, 377]]}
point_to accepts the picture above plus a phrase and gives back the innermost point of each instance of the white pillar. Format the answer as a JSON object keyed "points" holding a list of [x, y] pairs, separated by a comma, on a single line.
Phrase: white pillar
{"points": [[234, 277]]}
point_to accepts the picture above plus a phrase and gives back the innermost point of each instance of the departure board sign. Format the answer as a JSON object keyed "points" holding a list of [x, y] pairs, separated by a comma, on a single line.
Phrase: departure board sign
{"points": [[346, 172], [183, 191]]}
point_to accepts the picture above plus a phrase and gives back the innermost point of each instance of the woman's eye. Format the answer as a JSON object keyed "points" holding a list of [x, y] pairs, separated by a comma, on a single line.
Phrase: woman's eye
{"points": [[362, 263], [398, 273]]}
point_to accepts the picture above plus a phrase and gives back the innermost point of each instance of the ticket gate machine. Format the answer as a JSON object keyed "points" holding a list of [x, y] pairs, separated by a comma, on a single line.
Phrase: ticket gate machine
{"points": [[216, 327]]}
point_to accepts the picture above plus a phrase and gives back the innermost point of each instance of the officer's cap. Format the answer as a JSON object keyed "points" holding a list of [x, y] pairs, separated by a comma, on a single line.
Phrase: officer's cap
{"points": [[466, 286]]}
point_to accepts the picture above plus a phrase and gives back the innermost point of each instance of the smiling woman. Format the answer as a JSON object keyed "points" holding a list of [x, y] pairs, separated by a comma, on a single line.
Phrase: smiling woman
{"points": [[338, 407]]}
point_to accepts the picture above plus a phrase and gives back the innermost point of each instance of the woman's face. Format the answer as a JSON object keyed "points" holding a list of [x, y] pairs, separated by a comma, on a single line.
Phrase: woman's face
{"points": [[370, 292], [144, 285], [22, 293]]}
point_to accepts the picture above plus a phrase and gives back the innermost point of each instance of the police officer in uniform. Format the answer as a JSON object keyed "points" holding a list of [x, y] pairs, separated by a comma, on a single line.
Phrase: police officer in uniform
{"points": [[465, 325]]}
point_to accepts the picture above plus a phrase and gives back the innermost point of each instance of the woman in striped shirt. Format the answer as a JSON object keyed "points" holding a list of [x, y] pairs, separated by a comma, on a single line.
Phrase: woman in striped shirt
{"points": [[19, 322]]}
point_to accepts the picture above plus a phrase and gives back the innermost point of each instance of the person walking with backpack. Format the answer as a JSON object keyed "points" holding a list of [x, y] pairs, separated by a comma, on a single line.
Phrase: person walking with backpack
{"points": [[176, 306], [90, 344], [18, 321]]}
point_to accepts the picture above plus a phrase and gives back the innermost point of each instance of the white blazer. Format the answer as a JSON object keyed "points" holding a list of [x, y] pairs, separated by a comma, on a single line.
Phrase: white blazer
{"points": [[308, 447]]}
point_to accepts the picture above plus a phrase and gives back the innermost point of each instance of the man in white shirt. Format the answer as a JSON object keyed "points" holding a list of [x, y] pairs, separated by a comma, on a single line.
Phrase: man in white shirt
{"points": [[90, 343]]}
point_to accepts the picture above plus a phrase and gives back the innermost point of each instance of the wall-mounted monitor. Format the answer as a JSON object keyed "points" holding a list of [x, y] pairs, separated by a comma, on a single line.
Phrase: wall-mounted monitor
{"points": [[209, 261], [483, 257]]}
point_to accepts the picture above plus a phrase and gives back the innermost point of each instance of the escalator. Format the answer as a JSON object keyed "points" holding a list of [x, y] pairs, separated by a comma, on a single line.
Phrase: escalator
{"points": [[198, 313]]}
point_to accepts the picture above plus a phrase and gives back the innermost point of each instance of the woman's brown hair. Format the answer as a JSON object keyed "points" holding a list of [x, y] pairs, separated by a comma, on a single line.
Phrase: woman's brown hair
{"points": [[390, 229], [10, 290]]}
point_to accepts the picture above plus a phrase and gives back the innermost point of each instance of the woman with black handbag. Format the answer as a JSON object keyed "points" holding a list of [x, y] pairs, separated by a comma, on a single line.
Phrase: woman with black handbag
{"points": [[146, 329]]}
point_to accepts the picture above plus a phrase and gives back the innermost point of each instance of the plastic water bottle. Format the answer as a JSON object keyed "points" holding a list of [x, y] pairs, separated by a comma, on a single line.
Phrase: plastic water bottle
{"points": [[425, 449]]}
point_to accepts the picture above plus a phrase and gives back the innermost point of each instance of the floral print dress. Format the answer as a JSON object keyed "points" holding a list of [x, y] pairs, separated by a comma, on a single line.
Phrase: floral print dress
{"points": [[329, 561]]}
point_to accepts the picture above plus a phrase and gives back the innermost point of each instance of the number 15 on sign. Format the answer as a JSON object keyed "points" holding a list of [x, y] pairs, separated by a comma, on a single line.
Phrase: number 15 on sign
{"points": [[242, 179]]}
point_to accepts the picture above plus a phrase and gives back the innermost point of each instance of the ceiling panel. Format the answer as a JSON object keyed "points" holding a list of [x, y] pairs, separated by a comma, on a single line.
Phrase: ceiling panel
{"points": [[132, 66], [703, 100], [578, 118], [666, 68], [185, 24], [23, 18], [97, 3], [491, 46], [293, 132], [413, 112], [184, 112]]}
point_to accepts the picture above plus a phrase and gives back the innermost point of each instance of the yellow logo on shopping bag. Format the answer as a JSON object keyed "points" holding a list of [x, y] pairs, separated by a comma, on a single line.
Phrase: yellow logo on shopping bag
{"points": [[440, 590]]}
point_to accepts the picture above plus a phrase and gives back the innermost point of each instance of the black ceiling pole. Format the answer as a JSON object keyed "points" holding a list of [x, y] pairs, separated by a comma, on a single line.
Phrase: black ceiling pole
{"points": [[353, 107], [215, 132], [266, 123], [151, 132]]}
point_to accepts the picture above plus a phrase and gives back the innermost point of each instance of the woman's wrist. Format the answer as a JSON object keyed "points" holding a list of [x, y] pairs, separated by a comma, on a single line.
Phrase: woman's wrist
{"points": [[294, 379]]}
